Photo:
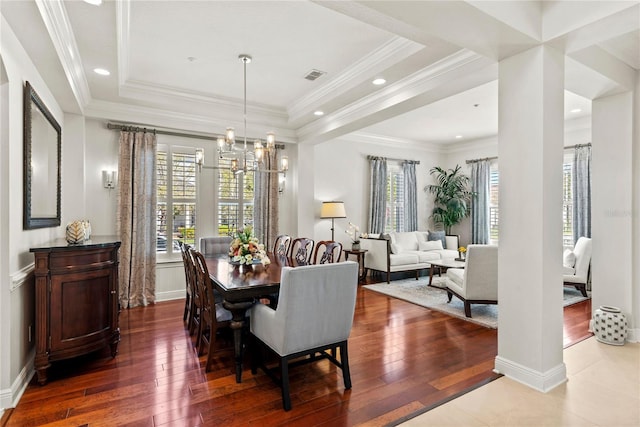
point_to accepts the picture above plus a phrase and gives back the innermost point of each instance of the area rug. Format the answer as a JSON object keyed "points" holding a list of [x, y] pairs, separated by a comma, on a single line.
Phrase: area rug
{"points": [[435, 298]]}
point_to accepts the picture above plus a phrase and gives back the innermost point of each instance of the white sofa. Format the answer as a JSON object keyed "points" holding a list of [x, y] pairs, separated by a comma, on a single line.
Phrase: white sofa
{"points": [[406, 251]]}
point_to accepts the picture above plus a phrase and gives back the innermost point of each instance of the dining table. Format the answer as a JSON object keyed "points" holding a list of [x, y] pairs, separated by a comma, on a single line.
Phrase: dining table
{"points": [[241, 286]]}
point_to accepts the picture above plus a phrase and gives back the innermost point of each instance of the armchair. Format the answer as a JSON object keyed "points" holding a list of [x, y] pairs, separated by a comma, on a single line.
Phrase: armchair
{"points": [[314, 314], [577, 273], [477, 283]]}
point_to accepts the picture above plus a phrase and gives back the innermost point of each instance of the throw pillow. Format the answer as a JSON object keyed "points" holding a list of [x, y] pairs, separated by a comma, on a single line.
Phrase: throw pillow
{"points": [[437, 235], [433, 245], [568, 258]]}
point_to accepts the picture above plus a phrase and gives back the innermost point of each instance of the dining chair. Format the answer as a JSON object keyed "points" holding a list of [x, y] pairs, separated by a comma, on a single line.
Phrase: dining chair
{"points": [[215, 245], [314, 314], [281, 245], [188, 302], [196, 298], [301, 250], [329, 251], [213, 316]]}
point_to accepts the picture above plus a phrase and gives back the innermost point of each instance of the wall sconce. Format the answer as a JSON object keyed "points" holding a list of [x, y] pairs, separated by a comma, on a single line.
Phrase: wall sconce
{"points": [[109, 179], [282, 179]]}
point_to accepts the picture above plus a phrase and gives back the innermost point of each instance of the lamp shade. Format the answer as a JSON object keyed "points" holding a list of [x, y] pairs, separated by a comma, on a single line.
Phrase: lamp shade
{"points": [[332, 210]]}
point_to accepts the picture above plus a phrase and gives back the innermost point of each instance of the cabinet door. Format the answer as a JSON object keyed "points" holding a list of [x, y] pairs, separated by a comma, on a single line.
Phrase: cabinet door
{"points": [[81, 309]]}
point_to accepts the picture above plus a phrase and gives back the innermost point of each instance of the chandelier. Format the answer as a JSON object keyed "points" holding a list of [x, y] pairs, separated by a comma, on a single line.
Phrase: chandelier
{"points": [[242, 158]]}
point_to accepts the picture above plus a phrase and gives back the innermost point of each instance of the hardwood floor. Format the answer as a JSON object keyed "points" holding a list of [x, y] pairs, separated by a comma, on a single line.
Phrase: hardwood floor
{"points": [[403, 358]]}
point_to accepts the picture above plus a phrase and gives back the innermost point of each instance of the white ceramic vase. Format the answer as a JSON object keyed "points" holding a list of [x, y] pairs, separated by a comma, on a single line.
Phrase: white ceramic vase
{"points": [[610, 325]]}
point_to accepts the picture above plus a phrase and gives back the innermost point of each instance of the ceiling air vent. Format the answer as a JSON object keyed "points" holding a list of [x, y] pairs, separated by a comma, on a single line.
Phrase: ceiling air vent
{"points": [[314, 74]]}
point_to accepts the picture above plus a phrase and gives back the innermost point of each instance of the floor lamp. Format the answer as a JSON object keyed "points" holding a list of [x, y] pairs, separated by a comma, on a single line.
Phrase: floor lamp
{"points": [[332, 210]]}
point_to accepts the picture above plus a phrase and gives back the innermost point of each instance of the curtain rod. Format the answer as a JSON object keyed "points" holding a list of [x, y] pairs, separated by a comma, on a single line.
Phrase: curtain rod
{"points": [[568, 147], [417, 162], [137, 128], [480, 160]]}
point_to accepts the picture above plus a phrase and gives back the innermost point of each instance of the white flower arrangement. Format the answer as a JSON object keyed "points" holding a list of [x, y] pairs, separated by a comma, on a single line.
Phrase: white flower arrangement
{"points": [[245, 248], [353, 232]]}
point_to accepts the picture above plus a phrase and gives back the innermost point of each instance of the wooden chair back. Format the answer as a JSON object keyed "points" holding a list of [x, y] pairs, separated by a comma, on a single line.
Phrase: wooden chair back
{"points": [[281, 245], [301, 250], [329, 251]]}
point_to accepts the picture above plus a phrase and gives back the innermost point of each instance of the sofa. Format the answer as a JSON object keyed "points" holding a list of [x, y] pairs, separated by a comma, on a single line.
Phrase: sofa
{"points": [[407, 251]]}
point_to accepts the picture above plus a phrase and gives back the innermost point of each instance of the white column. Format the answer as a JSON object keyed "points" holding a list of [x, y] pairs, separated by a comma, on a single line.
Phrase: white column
{"points": [[612, 201], [531, 123]]}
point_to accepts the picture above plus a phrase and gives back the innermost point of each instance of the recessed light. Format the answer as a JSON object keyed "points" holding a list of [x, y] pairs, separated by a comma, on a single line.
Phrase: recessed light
{"points": [[101, 71], [379, 81], [458, 136], [318, 113], [576, 110], [94, 2]]}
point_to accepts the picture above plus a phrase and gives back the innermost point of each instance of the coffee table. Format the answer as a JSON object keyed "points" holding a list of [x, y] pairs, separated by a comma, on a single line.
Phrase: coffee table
{"points": [[442, 265]]}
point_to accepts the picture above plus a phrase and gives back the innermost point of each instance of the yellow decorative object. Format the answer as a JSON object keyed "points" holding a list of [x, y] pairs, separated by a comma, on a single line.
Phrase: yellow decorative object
{"points": [[78, 231], [462, 249]]}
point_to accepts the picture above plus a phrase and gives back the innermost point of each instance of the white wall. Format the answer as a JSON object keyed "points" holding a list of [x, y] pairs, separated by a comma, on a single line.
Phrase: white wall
{"points": [[635, 261], [17, 296], [342, 173]]}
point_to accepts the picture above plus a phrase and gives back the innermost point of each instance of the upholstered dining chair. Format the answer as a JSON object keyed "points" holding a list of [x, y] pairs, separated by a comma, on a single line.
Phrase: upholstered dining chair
{"points": [[188, 270], [196, 300], [577, 265], [212, 315], [314, 314], [215, 245], [477, 283], [328, 250], [281, 245], [301, 250]]}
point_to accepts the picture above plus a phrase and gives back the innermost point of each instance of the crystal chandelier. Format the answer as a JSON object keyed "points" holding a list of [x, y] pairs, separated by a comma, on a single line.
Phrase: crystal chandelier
{"points": [[242, 158]]}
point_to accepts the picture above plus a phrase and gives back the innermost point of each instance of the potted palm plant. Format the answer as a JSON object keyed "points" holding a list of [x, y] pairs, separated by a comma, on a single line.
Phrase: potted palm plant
{"points": [[452, 196]]}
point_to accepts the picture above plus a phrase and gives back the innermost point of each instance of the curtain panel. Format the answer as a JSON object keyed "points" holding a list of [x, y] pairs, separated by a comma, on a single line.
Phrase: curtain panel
{"points": [[410, 196], [136, 218], [378, 194], [480, 180], [265, 203], [581, 191]]}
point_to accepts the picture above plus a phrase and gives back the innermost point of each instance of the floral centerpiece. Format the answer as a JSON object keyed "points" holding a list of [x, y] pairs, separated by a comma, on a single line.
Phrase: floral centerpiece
{"points": [[245, 249], [354, 234], [462, 252]]}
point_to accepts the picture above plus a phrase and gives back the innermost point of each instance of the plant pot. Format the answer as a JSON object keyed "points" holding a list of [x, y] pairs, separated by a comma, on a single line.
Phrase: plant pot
{"points": [[355, 246], [610, 325]]}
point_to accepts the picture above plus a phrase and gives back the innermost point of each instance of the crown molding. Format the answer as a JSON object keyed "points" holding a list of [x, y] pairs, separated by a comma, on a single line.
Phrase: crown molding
{"points": [[123, 25], [389, 141], [460, 63], [56, 21], [155, 117], [391, 52]]}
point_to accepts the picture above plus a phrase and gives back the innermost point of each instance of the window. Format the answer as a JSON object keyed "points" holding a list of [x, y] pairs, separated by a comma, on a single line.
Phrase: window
{"points": [[235, 199], [394, 212], [494, 212], [176, 204]]}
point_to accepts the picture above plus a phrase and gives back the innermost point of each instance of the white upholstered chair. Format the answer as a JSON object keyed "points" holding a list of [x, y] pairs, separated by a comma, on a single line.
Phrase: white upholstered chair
{"points": [[477, 283], [314, 314], [576, 265], [215, 245]]}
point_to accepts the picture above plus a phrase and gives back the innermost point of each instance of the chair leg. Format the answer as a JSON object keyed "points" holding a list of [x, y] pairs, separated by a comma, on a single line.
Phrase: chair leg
{"points": [[449, 296], [388, 277], [344, 359], [212, 344], [187, 305], [467, 309], [284, 378], [255, 348], [199, 343], [583, 289]]}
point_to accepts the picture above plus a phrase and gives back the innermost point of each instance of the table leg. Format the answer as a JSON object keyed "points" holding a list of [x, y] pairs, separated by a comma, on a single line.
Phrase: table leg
{"points": [[238, 311]]}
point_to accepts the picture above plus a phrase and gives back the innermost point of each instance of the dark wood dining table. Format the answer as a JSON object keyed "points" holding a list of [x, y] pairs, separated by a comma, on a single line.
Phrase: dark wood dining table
{"points": [[241, 286]]}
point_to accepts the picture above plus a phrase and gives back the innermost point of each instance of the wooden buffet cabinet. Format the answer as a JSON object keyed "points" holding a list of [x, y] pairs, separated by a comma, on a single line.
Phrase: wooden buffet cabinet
{"points": [[76, 300]]}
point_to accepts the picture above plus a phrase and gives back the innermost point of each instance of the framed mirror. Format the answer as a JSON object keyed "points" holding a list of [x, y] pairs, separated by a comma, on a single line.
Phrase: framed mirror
{"points": [[42, 146]]}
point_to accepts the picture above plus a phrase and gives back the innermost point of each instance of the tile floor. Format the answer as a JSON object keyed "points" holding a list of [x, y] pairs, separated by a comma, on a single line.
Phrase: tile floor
{"points": [[603, 389]]}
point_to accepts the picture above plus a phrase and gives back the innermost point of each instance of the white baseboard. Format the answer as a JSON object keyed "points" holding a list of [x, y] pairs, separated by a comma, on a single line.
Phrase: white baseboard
{"points": [[9, 398], [170, 295], [541, 381]]}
